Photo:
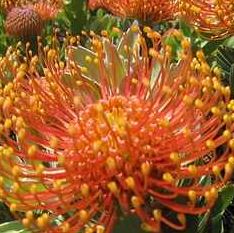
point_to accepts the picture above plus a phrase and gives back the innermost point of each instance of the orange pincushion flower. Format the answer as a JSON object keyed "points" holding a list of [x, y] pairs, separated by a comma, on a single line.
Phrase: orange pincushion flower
{"points": [[27, 20], [214, 19], [23, 21], [7, 5], [152, 10], [115, 126], [47, 10]]}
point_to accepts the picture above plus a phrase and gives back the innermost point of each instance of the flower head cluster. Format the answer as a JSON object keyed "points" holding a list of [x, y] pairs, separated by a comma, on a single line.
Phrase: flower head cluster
{"points": [[214, 19], [147, 10], [114, 127], [26, 18], [7, 5], [23, 21], [49, 9]]}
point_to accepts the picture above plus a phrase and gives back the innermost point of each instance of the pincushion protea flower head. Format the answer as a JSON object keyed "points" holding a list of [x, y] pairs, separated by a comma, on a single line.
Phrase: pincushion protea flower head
{"points": [[147, 10], [23, 21], [115, 127], [48, 10], [27, 20], [214, 19], [8, 5]]}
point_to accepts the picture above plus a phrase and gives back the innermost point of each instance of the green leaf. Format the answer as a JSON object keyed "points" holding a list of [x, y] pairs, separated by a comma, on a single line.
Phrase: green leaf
{"points": [[229, 42], [114, 64], [186, 29], [101, 21], [130, 39], [205, 180], [224, 200], [217, 224], [212, 46], [155, 74], [202, 226], [231, 78], [85, 58], [128, 224], [192, 224], [5, 214], [225, 59], [13, 227], [174, 44], [75, 13]]}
